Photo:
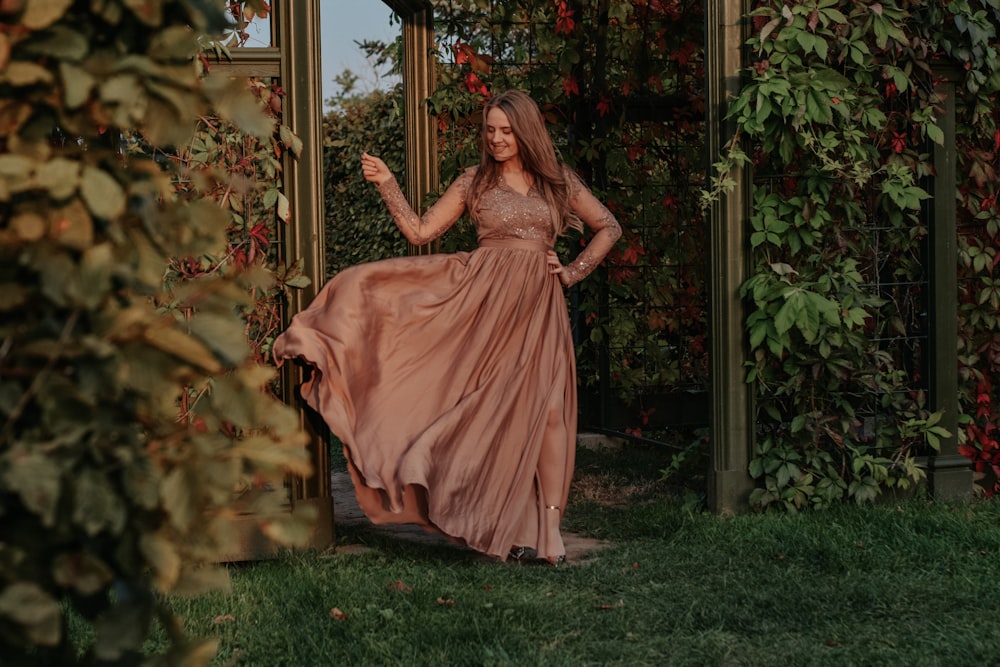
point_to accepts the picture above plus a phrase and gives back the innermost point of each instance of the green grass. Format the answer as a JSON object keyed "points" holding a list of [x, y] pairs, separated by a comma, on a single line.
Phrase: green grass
{"points": [[913, 583]]}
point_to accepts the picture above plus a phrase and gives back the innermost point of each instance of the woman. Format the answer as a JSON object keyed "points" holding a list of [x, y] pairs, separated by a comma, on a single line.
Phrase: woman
{"points": [[451, 378]]}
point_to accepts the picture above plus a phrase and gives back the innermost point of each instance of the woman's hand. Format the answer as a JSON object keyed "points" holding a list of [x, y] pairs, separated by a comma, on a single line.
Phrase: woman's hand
{"points": [[374, 169], [556, 267]]}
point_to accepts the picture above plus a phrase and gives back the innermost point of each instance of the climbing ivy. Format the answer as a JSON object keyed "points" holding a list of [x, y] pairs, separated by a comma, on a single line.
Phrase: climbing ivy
{"points": [[620, 85], [837, 118]]}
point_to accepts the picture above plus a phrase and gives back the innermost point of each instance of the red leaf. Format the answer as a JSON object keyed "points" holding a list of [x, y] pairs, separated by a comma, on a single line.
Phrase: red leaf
{"points": [[399, 586], [603, 106], [564, 21], [571, 86]]}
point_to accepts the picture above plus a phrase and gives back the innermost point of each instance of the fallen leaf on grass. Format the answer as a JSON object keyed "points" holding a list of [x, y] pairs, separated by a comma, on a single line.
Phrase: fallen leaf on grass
{"points": [[337, 615], [399, 586], [620, 603], [446, 602], [220, 619]]}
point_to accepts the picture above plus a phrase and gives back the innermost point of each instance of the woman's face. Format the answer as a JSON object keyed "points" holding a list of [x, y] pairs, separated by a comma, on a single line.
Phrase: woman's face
{"points": [[500, 140]]}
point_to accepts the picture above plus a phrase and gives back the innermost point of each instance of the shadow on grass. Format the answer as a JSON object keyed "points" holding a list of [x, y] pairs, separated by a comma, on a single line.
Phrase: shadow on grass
{"points": [[621, 494]]}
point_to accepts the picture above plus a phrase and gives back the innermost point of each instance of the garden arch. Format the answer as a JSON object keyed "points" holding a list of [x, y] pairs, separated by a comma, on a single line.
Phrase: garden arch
{"points": [[731, 403]]}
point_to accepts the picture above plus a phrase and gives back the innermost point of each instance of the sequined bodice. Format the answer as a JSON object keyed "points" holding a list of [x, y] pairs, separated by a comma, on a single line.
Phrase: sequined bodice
{"points": [[503, 213]]}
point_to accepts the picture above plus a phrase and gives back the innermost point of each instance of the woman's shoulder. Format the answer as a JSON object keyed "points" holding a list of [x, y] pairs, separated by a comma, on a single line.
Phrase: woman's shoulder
{"points": [[463, 180], [466, 174], [574, 182]]}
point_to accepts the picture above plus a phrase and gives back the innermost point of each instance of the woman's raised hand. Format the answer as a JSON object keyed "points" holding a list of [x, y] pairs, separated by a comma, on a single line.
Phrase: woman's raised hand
{"points": [[374, 169]]}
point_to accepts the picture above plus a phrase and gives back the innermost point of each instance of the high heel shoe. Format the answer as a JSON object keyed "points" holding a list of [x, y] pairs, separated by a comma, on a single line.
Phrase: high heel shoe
{"points": [[521, 554], [561, 558]]}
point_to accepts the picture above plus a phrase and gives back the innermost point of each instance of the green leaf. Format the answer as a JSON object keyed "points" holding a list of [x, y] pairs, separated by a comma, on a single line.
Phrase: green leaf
{"points": [[161, 555], [26, 604], [60, 176], [232, 100], [283, 209], [37, 480], [39, 14], [96, 505], [60, 42], [783, 269], [95, 275], [292, 529], [179, 493], [168, 338], [786, 316], [83, 572], [104, 196], [77, 84], [21, 73], [290, 140], [223, 334], [177, 42], [935, 133]]}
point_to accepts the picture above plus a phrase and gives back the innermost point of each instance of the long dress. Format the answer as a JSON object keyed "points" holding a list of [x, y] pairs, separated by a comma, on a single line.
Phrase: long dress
{"points": [[447, 377]]}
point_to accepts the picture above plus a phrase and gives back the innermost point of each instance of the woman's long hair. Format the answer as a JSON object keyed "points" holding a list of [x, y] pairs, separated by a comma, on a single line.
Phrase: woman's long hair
{"points": [[538, 157]]}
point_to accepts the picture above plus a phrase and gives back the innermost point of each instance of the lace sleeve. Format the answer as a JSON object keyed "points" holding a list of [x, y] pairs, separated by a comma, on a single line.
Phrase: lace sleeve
{"points": [[419, 230], [599, 220]]}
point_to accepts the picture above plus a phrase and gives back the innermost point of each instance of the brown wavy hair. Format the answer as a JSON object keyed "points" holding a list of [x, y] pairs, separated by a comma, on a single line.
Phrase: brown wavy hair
{"points": [[538, 157]]}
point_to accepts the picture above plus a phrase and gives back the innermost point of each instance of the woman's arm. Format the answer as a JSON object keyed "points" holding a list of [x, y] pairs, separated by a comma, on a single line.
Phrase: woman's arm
{"points": [[599, 220], [418, 230]]}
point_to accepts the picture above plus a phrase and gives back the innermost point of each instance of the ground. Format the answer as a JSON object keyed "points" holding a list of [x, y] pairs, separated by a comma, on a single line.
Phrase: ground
{"points": [[347, 513]]}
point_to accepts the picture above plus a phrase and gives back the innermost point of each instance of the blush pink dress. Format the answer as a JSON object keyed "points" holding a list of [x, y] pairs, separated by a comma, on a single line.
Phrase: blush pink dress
{"points": [[446, 377]]}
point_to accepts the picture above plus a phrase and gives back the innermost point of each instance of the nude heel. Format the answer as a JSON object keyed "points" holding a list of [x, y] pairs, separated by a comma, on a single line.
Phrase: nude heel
{"points": [[560, 559]]}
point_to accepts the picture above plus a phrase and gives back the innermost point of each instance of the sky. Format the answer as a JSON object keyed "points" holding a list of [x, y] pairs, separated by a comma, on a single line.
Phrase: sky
{"points": [[341, 23]]}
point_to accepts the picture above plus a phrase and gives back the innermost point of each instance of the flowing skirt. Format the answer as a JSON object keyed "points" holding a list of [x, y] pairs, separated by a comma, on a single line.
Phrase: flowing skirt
{"points": [[447, 378]]}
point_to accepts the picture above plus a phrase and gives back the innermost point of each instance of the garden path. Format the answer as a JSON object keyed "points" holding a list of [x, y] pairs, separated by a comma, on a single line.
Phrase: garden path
{"points": [[347, 513]]}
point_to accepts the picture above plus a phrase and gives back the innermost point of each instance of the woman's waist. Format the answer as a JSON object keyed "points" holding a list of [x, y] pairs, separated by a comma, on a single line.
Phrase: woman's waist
{"points": [[514, 243]]}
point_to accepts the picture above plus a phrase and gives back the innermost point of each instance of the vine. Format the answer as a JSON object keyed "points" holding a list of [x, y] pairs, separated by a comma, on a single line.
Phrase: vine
{"points": [[619, 83], [838, 112]]}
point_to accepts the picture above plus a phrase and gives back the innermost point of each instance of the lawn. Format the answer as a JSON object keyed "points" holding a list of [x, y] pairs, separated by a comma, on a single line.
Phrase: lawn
{"points": [[907, 583]]}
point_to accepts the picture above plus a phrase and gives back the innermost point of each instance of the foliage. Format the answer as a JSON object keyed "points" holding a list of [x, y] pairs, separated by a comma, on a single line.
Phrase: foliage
{"points": [[837, 117], [358, 227], [242, 173], [972, 40], [620, 85], [133, 410]]}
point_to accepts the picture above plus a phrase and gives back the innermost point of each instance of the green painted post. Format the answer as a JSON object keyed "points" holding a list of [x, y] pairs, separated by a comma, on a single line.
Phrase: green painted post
{"points": [[949, 473], [729, 483]]}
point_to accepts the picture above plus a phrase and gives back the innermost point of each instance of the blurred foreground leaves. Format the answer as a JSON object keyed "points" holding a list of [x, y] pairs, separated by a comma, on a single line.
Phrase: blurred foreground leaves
{"points": [[135, 421]]}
